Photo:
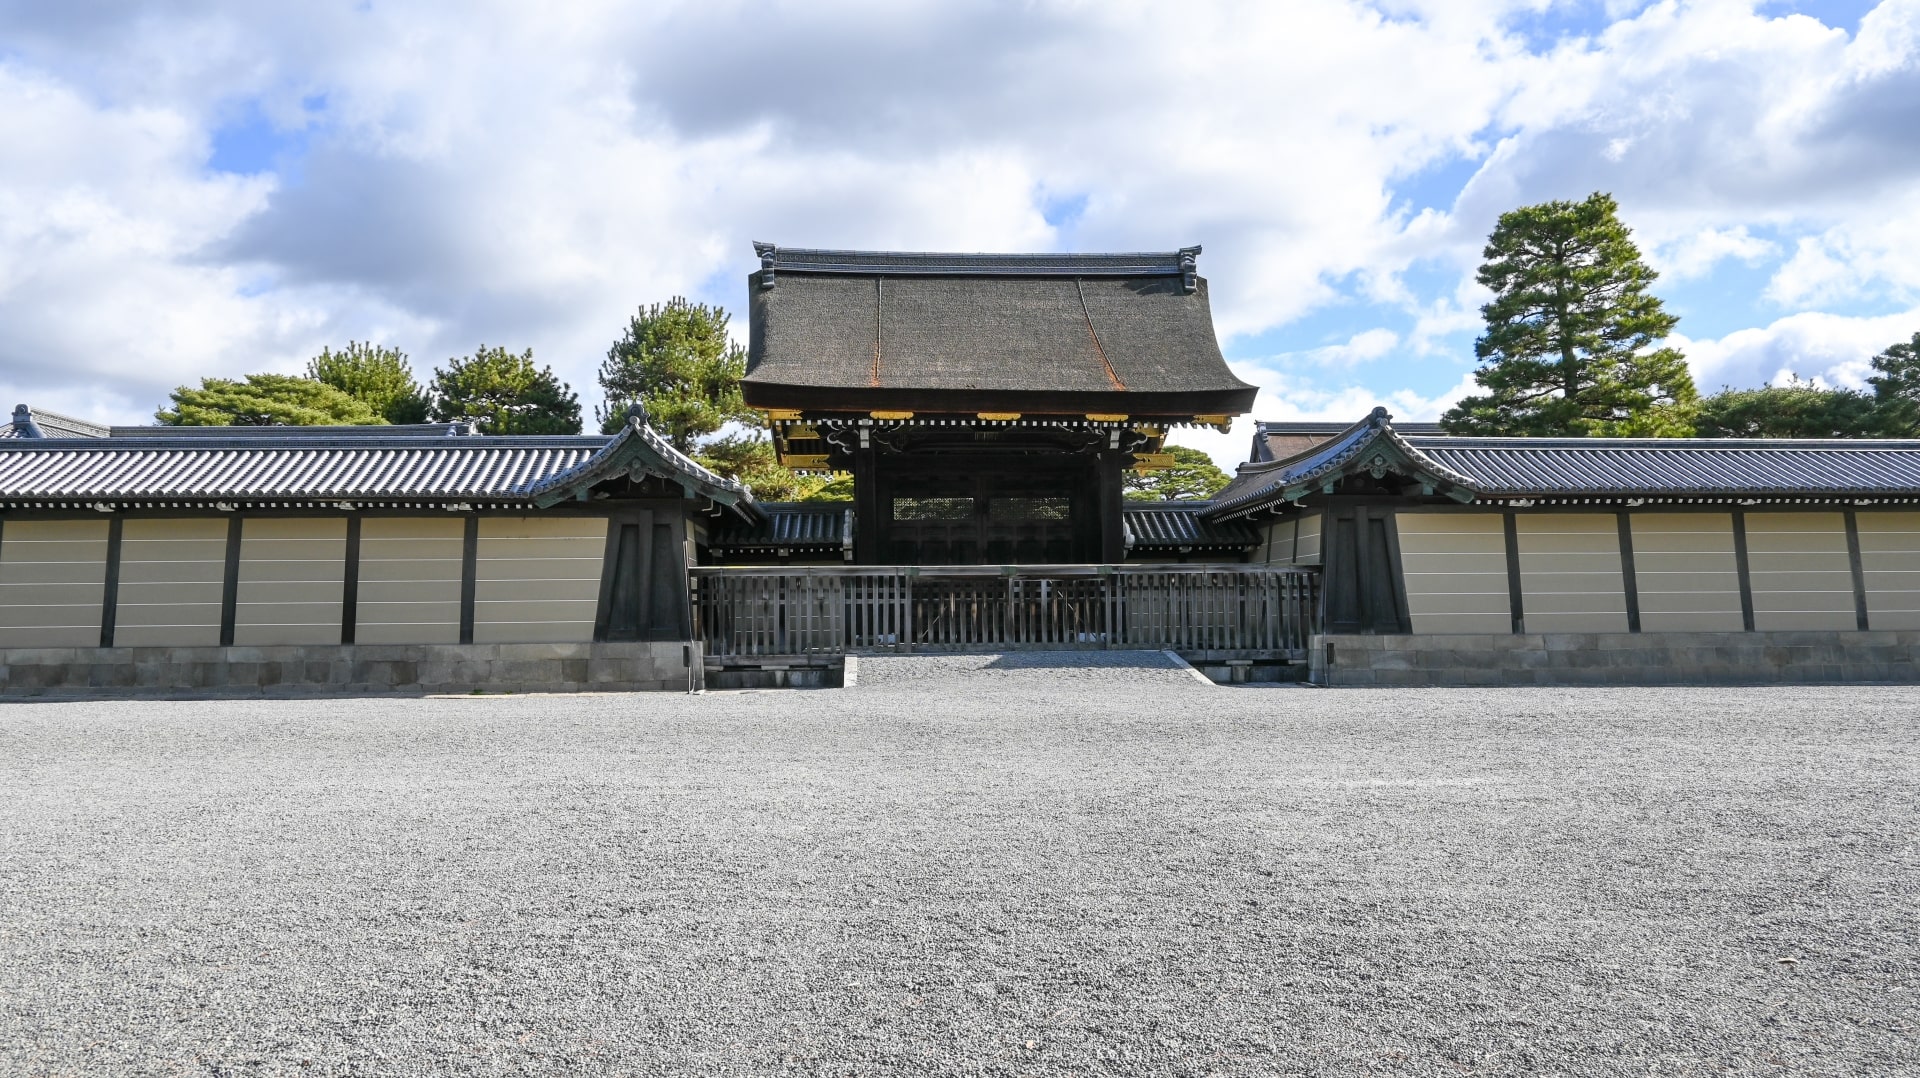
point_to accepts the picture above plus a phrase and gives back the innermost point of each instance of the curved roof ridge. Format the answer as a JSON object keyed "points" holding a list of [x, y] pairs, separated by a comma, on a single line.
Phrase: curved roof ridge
{"points": [[775, 259], [1293, 477]]}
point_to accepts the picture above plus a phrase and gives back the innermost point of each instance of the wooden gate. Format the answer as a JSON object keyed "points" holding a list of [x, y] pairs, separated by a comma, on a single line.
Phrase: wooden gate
{"points": [[832, 610]]}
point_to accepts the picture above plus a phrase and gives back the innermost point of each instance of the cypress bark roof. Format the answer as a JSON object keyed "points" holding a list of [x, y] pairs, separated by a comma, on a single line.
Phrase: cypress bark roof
{"points": [[856, 331]]}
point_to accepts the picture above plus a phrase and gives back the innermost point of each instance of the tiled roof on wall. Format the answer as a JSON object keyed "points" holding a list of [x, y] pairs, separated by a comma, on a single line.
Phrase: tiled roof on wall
{"points": [[302, 465], [36, 423], [1509, 469]]}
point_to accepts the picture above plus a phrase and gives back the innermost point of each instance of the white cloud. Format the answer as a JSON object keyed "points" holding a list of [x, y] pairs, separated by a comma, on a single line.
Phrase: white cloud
{"points": [[1368, 344], [526, 176], [1833, 349], [1697, 254], [1286, 394]]}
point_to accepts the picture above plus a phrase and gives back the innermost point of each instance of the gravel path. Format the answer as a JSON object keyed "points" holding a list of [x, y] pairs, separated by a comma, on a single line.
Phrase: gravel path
{"points": [[978, 865]]}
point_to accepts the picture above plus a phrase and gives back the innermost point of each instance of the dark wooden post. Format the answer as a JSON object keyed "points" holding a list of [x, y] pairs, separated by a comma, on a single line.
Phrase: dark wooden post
{"points": [[867, 524], [1109, 470]]}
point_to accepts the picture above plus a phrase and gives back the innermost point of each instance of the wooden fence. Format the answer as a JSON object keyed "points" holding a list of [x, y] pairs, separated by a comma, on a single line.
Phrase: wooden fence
{"points": [[831, 610]]}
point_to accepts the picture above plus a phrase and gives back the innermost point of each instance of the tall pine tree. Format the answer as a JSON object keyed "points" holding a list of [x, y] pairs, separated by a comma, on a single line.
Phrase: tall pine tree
{"points": [[675, 358], [1573, 335]]}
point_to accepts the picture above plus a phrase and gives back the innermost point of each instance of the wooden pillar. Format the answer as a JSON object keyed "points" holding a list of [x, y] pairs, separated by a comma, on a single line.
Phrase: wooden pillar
{"points": [[1109, 470], [867, 507]]}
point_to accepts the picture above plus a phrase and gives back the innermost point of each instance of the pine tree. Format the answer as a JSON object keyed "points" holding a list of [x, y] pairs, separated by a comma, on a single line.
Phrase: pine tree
{"points": [[265, 400], [1572, 337], [1897, 388], [675, 358], [504, 393], [375, 374], [1193, 475], [750, 459], [1795, 410]]}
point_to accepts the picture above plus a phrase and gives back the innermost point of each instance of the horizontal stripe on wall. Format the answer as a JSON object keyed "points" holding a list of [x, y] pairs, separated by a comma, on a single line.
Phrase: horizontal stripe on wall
{"points": [[1801, 575], [537, 579], [1456, 572], [53, 577], [171, 575]]}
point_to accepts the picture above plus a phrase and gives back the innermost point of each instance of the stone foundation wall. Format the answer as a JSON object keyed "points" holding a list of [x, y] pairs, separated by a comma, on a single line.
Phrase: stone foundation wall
{"points": [[348, 668], [1680, 658]]}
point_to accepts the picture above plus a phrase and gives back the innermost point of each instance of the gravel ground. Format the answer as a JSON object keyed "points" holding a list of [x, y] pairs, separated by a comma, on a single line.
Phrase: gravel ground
{"points": [[978, 865]]}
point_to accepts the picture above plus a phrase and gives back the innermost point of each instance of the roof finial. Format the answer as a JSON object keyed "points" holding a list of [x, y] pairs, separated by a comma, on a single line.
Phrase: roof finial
{"points": [[1189, 268], [767, 252], [636, 413], [1380, 417], [23, 424]]}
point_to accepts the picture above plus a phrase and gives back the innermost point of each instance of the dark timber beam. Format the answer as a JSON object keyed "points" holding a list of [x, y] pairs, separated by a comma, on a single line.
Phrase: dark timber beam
{"points": [[867, 524], [1110, 470]]}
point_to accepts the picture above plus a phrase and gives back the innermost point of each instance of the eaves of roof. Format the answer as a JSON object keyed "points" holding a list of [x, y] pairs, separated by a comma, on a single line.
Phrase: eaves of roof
{"points": [[638, 451], [1371, 445], [1518, 469], [1171, 525], [788, 525], [297, 466]]}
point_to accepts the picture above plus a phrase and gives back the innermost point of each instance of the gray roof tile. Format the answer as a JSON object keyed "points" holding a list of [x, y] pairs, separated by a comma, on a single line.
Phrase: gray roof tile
{"points": [[35, 423], [1160, 525], [1510, 468]]}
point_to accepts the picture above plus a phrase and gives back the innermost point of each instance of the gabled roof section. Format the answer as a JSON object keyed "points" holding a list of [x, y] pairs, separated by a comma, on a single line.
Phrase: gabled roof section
{"points": [[1284, 438], [1864, 470], [1371, 446], [638, 452], [31, 423], [854, 331]]}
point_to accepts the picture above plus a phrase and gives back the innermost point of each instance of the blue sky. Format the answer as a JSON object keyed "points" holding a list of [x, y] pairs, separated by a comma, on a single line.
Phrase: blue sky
{"points": [[221, 187]]}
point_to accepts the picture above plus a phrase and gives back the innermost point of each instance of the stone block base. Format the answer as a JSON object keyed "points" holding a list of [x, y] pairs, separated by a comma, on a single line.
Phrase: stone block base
{"points": [[349, 668], [1758, 658]]}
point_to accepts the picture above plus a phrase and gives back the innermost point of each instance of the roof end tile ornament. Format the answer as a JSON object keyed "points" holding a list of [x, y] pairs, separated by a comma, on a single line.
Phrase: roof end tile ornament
{"points": [[1189, 268], [638, 452], [1371, 446], [769, 253]]}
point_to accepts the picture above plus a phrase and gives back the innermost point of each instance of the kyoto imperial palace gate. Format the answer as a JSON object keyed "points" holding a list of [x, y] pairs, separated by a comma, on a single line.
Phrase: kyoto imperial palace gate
{"points": [[988, 408]]}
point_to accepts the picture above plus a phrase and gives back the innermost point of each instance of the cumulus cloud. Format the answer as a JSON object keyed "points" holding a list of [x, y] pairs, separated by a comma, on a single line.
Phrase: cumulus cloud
{"points": [[1833, 349], [1286, 395], [449, 174], [1697, 254]]}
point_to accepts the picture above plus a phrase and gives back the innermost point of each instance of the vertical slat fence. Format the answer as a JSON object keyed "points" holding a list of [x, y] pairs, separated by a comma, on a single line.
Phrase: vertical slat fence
{"points": [[830, 610]]}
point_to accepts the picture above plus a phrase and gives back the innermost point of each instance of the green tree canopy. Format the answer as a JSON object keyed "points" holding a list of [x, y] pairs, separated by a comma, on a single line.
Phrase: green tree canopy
{"points": [[1897, 387], [837, 489], [375, 374], [1795, 410], [1193, 475], [1570, 347], [504, 393], [750, 459], [675, 358], [265, 400]]}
